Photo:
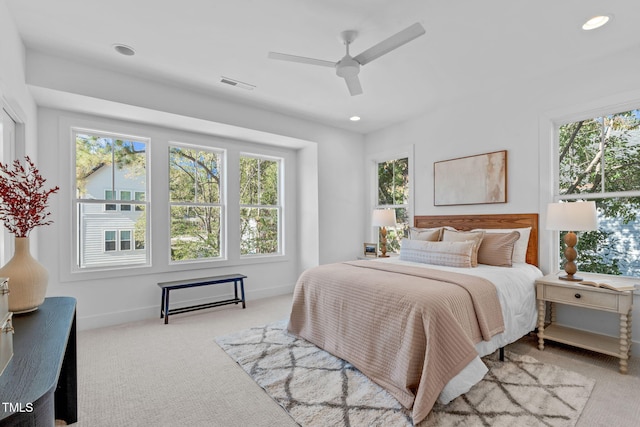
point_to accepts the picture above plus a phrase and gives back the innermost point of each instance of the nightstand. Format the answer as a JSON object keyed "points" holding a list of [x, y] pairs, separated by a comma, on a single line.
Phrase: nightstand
{"points": [[555, 291]]}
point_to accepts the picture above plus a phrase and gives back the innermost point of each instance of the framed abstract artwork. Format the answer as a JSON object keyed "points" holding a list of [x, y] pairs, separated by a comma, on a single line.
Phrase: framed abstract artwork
{"points": [[471, 180]]}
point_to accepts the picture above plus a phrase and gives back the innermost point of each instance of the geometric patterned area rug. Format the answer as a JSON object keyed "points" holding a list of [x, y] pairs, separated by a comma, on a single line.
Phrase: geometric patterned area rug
{"points": [[318, 389]]}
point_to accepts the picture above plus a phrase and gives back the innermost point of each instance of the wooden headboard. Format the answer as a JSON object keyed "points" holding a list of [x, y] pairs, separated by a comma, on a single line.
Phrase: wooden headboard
{"points": [[469, 222]]}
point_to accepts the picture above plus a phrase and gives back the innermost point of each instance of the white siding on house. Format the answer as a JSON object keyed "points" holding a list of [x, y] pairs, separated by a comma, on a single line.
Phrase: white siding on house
{"points": [[95, 220]]}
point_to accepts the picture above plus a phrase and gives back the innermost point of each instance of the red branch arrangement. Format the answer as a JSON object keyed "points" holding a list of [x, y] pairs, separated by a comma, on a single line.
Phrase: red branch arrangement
{"points": [[23, 200]]}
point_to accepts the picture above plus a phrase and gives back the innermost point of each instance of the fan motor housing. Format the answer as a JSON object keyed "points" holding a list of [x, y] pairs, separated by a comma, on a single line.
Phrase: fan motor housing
{"points": [[347, 67]]}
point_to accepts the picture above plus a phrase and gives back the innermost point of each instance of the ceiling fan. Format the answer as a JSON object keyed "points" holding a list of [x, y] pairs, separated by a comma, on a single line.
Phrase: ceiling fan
{"points": [[349, 67]]}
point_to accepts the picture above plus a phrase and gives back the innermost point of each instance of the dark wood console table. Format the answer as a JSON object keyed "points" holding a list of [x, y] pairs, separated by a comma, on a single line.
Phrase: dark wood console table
{"points": [[39, 384]]}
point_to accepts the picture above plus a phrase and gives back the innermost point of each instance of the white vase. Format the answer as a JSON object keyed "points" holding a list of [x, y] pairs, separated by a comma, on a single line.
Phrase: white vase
{"points": [[28, 279]]}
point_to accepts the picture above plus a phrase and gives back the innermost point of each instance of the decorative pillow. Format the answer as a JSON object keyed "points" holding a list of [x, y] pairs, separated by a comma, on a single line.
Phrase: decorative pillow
{"points": [[520, 247], [462, 236], [451, 254], [429, 234], [497, 249]]}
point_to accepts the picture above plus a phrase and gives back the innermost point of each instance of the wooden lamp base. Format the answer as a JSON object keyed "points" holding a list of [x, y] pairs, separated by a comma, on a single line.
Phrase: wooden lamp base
{"points": [[570, 239]]}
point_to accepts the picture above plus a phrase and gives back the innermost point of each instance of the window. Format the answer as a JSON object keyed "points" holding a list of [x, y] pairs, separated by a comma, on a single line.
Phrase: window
{"points": [[195, 203], [260, 205], [109, 167], [139, 198], [109, 195], [599, 160], [125, 195], [393, 193], [125, 240], [109, 241]]}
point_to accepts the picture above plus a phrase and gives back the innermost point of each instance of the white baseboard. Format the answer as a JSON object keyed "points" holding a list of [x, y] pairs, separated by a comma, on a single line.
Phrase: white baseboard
{"points": [[151, 312]]}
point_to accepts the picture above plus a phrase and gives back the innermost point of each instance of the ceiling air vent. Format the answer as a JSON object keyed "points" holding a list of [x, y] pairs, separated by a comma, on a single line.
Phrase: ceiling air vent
{"points": [[236, 83]]}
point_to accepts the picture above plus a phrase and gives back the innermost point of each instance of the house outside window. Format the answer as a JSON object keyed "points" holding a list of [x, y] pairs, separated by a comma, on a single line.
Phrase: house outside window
{"points": [[196, 203], [599, 160], [109, 241], [105, 165], [393, 193], [260, 205]]}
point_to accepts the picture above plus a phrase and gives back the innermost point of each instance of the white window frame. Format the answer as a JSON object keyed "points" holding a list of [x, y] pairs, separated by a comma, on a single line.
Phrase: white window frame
{"points": [[105, 241], [157, 227], [548, 128], [374, 160], [76, 202], [279, 206], [222, 204]]}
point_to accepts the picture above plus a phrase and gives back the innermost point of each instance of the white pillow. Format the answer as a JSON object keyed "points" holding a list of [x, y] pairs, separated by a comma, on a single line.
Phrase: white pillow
{"points": [[452, 254], [520, 247], [430, 234]]}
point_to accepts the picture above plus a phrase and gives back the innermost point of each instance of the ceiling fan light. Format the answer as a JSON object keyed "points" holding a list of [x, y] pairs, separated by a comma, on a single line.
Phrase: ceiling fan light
{"points": [[596, 22]]}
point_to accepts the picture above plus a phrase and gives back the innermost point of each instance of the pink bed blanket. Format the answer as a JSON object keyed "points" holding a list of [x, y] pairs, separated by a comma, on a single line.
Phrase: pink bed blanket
{"points": [[409, 329]]}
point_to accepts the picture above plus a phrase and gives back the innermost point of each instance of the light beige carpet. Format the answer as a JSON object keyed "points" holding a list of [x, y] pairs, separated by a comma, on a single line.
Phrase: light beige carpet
{"points": [[318, 389], [149, 374]]}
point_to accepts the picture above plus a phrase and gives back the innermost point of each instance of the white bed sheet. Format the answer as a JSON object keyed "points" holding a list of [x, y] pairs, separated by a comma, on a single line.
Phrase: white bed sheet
{"points": [[517, 296]]}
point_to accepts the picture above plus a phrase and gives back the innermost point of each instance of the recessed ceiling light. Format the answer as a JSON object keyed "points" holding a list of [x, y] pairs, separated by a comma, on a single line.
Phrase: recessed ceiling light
{"points": [[354, 118], [124, 49], [595, 22]]}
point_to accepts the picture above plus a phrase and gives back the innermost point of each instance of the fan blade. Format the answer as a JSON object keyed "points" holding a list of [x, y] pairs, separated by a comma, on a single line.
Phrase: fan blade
{"points": [[301, 59], [393, 42], [353, 83]]}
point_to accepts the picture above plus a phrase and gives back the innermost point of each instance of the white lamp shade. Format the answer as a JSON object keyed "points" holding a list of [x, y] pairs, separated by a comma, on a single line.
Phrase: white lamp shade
{"points": [[572, 216], [383, 218]]}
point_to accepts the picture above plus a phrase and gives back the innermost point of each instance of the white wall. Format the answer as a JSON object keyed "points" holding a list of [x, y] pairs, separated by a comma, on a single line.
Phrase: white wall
{"points": [[16, 100], [518, 119], [329, 187]]}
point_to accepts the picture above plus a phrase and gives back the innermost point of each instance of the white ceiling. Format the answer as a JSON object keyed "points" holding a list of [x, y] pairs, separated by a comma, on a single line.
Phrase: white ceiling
{"points": [[470, 46]]}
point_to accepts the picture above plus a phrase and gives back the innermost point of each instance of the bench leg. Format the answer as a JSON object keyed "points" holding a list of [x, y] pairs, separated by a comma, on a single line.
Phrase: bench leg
{"points": [[242, 290], [162, 303], [235, 290], [166, 307]]}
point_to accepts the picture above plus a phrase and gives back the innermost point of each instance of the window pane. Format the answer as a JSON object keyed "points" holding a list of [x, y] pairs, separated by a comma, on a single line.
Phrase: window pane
{"points": [[195, 232], [600, 155], [208, 177], [194, 175], [93, 154], [614, 248], [109, 240], [249, 184], [393, 182], [139, 198], [95, 225], [182, 174], [397, 233], [125, 240], [109, 195], [125, 195], [579, 157], [129, 159], [269, 182], [258, 231], [622, 155]]}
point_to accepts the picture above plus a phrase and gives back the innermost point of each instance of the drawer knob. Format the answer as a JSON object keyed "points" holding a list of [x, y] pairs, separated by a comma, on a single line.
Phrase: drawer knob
{"points": [[578, 296]]}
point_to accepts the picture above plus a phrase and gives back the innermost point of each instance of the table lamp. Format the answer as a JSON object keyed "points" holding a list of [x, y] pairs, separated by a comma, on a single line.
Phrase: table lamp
{"points": [[383, 218], [571, 216]]}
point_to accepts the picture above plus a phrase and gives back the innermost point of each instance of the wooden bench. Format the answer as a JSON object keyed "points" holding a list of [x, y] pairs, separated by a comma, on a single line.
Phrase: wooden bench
{"points": [[166, 287]]}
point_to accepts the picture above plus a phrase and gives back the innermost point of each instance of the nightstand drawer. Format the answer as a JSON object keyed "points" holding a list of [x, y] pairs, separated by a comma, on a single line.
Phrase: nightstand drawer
{"points": [[582, 297]]}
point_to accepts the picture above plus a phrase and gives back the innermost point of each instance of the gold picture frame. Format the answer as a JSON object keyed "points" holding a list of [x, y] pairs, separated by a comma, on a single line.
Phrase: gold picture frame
{"points": [[370, 250]]}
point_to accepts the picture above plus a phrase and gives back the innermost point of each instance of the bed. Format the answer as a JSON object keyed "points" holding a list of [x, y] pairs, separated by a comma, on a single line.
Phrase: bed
{"points": [[419, 330]]}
